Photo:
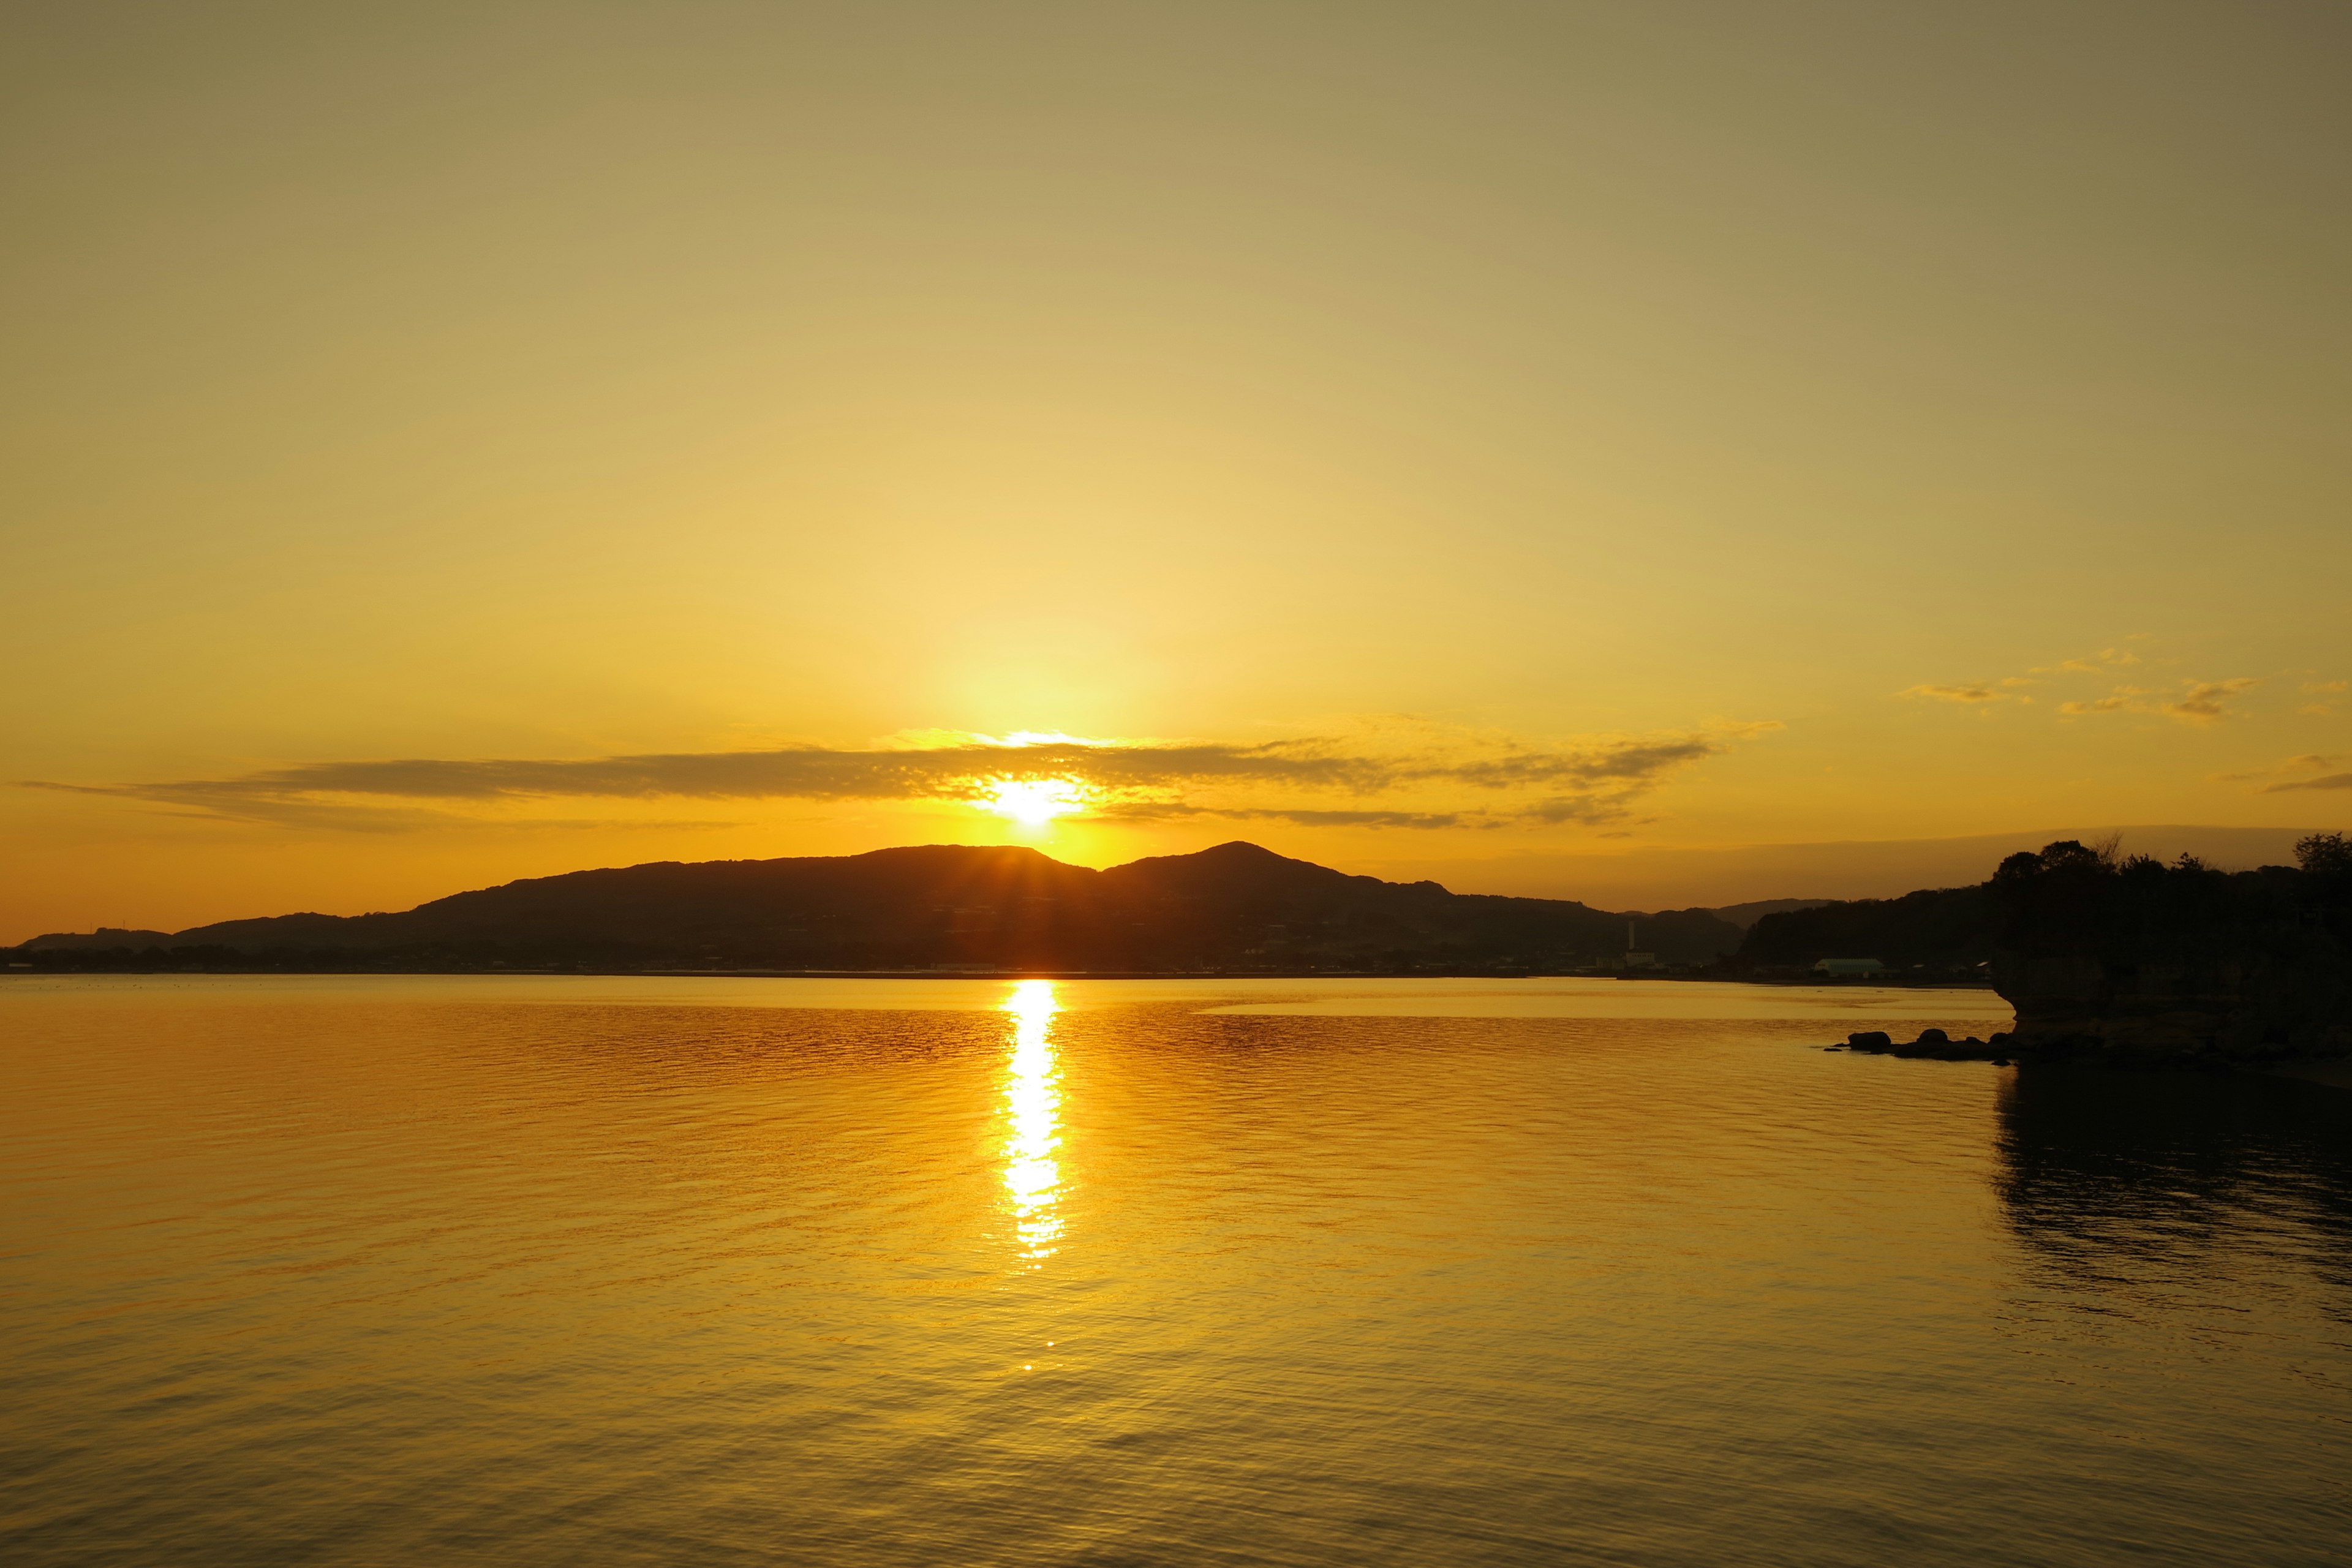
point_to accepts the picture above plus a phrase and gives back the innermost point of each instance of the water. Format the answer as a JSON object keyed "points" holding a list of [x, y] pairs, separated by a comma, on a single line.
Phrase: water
{"points": [[523, 1271]]}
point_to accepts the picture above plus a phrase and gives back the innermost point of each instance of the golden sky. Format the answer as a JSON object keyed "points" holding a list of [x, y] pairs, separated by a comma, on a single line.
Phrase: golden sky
{"points": [[449, 443]]}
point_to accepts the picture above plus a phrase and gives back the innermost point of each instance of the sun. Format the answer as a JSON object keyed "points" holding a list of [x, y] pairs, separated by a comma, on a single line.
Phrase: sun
{"points": [[1032, 803]]}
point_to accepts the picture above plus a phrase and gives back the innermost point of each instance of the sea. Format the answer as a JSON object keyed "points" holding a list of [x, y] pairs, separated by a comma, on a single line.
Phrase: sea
{"points": [[539, 1270]]}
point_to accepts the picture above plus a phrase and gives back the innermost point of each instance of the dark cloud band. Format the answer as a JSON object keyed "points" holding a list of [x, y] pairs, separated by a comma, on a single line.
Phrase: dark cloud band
{"points": [[2333, 781], [1588, 784]]}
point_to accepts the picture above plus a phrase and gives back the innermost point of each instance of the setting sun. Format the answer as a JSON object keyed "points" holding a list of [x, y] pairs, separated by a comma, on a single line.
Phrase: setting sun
{"points": [[1032, 802]]}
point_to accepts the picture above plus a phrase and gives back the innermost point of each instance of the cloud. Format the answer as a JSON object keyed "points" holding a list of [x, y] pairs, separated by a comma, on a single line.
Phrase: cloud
{"points": [[2091, 663], [2123, 699], [2296, 774], [2283, 781], [2199, 702], [1588, 782], [2311, 762], [1588, 809], [2331, 781], [807, 772], [1617, 761], [1967, 694], [301, 811], [1154, 811], [2202, 702]]}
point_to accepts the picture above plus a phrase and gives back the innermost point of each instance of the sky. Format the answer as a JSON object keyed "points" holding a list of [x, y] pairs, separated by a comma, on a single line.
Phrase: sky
{"points": [[1654, 453]]}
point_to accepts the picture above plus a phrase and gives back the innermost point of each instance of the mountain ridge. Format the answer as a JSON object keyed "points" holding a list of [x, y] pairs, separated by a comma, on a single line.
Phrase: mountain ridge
{"points": [[1233, 906]]}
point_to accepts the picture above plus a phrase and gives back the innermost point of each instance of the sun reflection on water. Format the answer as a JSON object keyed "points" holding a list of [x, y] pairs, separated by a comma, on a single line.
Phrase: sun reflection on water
{"points": [[1032, 1102]]}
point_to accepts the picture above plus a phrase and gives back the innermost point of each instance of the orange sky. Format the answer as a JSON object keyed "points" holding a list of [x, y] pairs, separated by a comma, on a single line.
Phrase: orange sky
{"points": [[1572, 449]]}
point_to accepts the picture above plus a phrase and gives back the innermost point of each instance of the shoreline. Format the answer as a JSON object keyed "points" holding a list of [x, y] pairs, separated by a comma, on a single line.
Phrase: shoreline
{"points": [[2333, 1072]]}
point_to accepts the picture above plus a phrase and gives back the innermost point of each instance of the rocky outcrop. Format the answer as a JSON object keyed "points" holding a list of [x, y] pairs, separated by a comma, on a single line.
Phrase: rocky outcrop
{"points": [[1932, 1044], [2290, 997], [2130, 960], [2133, 963]]}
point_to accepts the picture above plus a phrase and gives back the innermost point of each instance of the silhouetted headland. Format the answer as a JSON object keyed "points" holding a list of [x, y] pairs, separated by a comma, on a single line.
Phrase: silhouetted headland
{"points": [[2128, 961], [1236, 909]]}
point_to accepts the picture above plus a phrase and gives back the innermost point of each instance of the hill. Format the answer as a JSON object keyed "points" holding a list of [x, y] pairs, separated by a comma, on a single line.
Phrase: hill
{"points": [[1747, 914], [1938, 928], [104, 937], [1236, 907]]}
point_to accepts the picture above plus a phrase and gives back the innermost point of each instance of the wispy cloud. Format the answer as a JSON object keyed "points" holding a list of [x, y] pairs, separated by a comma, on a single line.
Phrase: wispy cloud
{"points": [[2121, 700], [2326, 781], [1164, 811], [2194, 702], [2200, 701], [2313, 769], [1983, 691], [343, 815], [2098, 663], [1477, 780], [2310, 771]]}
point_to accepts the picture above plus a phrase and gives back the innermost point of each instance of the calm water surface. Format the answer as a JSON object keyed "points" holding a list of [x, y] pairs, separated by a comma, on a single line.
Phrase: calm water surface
{"points": [[525, 1271]]}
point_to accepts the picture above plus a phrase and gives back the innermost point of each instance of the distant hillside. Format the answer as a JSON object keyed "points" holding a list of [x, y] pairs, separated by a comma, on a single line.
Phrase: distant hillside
{"points": [[1236, 907], [105, 937], [1747, 914], [1943, 927]]}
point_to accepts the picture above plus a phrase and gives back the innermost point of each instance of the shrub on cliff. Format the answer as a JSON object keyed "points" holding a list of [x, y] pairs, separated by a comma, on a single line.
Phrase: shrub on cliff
{"points": [[2072, 899]]}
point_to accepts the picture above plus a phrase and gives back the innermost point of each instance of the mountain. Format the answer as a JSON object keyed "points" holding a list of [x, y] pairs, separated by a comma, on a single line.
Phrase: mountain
{"points": [[1942, 928], [1747, 914], [1235, 907]]}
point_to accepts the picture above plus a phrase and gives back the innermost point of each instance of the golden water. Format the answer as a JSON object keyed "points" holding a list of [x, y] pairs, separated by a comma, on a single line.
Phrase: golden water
{"points": [[526, 1271]]}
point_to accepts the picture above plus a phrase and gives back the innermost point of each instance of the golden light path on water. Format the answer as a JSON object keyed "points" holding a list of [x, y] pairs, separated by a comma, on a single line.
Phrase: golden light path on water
{"points": [[1032, 1102]]}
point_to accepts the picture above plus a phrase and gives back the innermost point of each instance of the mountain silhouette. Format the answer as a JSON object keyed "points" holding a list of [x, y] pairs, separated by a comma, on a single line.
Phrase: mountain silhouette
{"points": [[1234, 906]]}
